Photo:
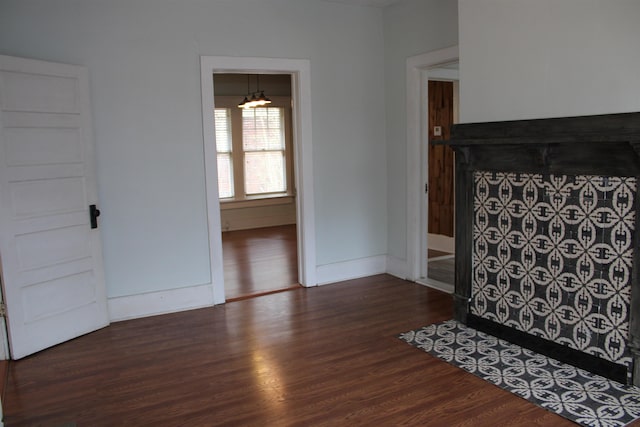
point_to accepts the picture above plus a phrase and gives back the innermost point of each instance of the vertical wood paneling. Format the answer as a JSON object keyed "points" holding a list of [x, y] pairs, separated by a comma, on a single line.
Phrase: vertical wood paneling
{"points": [[441, 204]]}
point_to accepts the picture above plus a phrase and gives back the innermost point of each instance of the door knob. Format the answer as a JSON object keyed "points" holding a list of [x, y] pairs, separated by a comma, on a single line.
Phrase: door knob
{"points": [[94, 213]]}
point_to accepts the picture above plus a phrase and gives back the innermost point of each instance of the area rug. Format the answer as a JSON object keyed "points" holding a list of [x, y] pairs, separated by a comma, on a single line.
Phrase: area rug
{"points": [[580, 396]]}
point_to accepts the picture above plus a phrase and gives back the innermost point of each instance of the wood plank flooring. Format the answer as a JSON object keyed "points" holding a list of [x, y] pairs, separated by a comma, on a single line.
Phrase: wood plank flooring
{"points": [[325, 356], [432, 253], [442, 269], [259, 261], [441, 266], [4, 375]]}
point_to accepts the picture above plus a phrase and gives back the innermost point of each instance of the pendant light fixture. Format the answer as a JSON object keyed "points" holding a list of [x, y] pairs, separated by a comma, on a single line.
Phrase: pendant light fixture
{"points": [[255, 101]]}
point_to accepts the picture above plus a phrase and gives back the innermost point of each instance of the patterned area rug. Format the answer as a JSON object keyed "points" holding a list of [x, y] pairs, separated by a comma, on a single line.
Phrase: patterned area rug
{"points": [[578, 395]]}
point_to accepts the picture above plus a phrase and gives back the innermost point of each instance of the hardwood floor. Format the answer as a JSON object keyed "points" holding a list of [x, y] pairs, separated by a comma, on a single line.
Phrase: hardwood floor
{"points": [[259, 261], [432, 253], [441, 266], [4, 375], [443, 270], [325, 356]]}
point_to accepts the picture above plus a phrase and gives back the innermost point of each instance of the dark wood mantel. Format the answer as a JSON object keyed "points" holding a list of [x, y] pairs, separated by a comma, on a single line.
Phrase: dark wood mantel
{"points": [[605, 145]]}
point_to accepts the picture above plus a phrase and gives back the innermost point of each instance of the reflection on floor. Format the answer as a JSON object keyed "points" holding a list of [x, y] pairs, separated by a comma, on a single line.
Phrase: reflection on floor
{"points": [[441, 266], [259, 261], [432, 253]]}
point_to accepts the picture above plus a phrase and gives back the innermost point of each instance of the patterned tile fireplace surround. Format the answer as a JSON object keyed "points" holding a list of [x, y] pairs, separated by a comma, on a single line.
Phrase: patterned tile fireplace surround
{"points": [[546, 245]]}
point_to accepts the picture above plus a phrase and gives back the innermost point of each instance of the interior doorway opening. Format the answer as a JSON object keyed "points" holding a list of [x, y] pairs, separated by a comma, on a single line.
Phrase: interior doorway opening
{"points": [[299, 70], [442, 112], [420, 69], [256, 185]]}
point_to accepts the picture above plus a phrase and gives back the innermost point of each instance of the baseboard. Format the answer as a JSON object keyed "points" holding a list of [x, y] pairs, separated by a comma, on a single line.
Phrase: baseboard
{"points": [[192, 297], [397, 267], [347, 270], [182, 299], [238, 224], [160, 302], [441, 243]]}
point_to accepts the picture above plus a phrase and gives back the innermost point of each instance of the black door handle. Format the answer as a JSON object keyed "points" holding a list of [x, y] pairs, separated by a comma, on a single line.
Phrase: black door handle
{"points": [[94, 213]]}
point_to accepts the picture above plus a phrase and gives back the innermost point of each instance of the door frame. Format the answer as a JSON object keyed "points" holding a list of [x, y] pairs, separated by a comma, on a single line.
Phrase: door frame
{"points": [[300, 71], [417, 77], [5, 353]]}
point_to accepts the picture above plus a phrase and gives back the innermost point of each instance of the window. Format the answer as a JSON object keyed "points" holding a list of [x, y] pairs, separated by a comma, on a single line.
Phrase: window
{"points": [[254, 150], [264, 149], [223, 145]]}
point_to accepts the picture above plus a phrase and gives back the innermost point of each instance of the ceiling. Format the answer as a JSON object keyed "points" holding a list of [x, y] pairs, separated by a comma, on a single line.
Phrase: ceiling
{"points": [[374, 3]]}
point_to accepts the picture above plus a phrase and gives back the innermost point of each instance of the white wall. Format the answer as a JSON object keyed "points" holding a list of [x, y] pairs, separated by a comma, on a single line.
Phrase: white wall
{"points": [[411, 27], [522, 59], [143, 58]]}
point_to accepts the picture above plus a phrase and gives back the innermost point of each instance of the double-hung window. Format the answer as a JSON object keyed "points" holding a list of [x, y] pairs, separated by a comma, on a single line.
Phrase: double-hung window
{"points": [[224, 149], [254, 150]]}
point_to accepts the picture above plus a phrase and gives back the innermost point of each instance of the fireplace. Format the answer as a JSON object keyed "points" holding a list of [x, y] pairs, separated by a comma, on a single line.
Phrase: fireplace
{"points": [[546, 241]]}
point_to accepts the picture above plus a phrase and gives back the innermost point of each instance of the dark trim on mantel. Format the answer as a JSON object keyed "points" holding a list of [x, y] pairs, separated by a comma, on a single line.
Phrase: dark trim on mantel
{"points": [[603, 144], [599, 128]]}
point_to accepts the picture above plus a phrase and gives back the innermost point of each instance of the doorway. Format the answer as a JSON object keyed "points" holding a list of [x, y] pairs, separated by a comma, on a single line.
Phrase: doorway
{"points": [[300, 71], [420, 69], [256, 185], [442, 114]]}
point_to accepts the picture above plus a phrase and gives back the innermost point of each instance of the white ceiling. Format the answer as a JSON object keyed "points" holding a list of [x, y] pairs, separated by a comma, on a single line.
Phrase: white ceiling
{"points": [[374, 3]]}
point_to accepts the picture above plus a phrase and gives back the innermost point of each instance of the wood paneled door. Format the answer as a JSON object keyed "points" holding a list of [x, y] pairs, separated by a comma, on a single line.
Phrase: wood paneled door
{"points": [[50, 244], [441, 185]]}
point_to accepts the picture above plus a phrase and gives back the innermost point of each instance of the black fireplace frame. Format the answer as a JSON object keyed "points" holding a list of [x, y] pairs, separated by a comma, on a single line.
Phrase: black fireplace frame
{"points": [[585, 145]]}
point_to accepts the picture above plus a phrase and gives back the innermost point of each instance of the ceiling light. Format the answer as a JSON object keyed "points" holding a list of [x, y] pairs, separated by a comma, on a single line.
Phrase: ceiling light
{"points": [[255, 101]]}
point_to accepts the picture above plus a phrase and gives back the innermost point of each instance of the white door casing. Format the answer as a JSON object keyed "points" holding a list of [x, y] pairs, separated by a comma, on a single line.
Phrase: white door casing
{"points": [[51, 259], [417, 150], [303, 164]]}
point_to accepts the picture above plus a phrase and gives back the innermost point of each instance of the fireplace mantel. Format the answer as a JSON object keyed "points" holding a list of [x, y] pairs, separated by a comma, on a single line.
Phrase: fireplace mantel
{"points": [[576, 165]]}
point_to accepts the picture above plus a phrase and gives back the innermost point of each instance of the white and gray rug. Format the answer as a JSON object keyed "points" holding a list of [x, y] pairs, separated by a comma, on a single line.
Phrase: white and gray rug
{"points": [[578, 395]]}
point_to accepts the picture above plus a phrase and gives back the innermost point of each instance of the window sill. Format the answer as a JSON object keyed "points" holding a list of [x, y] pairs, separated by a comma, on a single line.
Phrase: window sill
{"points": [[257, 202]]}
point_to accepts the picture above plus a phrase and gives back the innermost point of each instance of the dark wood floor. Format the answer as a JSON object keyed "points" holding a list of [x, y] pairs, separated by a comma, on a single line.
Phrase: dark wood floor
{"points": [[325, 356], [441, 266], [442, 269], [259, 261], [432, 253]]}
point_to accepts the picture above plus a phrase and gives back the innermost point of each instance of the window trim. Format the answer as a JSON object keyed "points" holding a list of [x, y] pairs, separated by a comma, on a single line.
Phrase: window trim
{"points": [[240, 199]]}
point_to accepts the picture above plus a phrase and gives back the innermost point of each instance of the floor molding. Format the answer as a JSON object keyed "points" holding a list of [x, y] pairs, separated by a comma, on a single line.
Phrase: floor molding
{"points": [[397, 267], [339, 271], [441, 243], [161, 302]]}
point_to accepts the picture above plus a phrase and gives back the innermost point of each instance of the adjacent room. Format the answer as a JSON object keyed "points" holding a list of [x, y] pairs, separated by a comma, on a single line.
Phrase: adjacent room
{"points": [[256, 185], [171, 257]]}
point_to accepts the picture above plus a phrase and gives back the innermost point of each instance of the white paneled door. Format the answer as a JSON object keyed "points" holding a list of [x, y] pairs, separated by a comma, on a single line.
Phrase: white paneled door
{"points": [[51, 257]]}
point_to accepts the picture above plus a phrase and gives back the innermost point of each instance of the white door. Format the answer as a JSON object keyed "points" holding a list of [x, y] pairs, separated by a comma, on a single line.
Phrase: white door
{"points": [[51, 258]]}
